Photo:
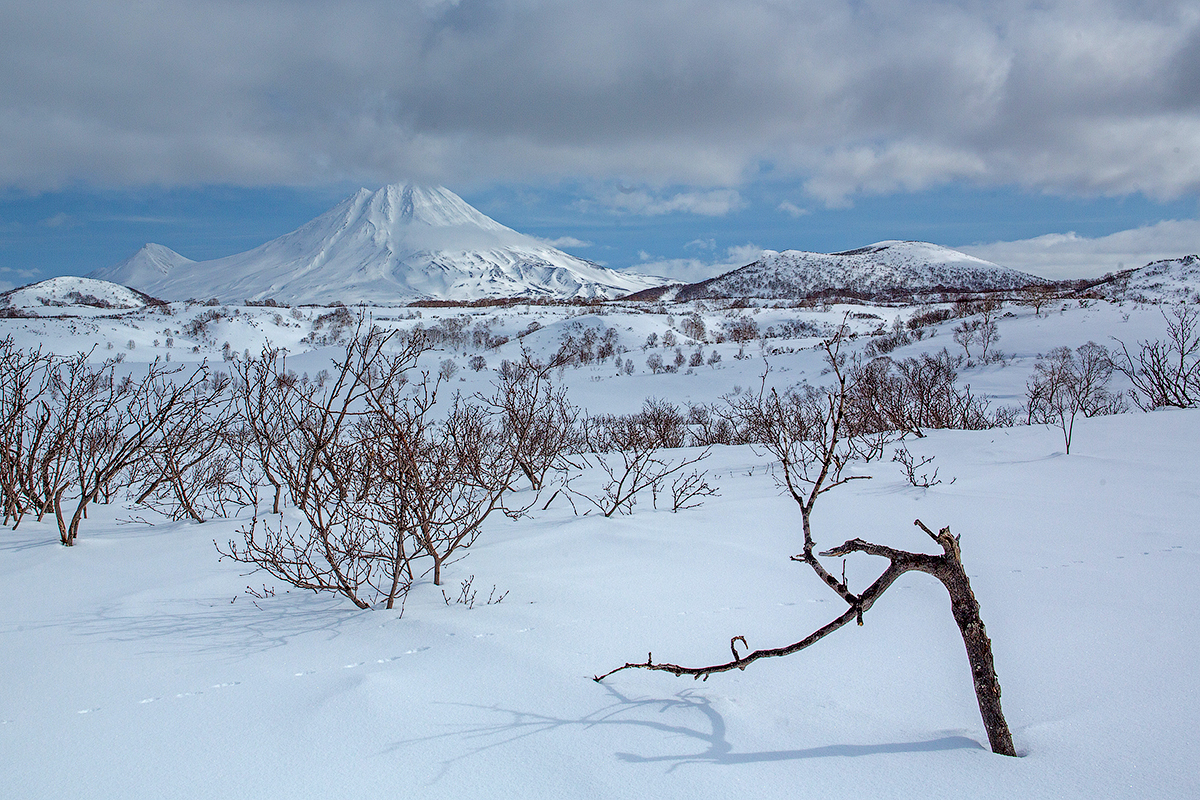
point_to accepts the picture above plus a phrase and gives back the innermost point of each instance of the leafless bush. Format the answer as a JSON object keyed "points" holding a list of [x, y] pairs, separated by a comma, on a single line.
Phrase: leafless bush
{"points": [[539, 418], [914, 394], [742, 330], [659, 424], [1165, 372], [1037, 296], [383, 474], [692, 326], [467, 594], [930, 317], [1067, 383], [688, 490], [630, 472], [911, 464], [321, 458], [191, 470], [24, 380], [105, 424]]}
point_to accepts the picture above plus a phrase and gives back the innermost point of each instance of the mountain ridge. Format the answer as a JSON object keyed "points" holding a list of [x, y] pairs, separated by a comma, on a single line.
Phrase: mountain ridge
{"points": [[880, 270]]}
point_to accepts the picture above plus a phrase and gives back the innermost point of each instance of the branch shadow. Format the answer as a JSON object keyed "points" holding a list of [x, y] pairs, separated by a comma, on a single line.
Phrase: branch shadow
{"points": [[709, 733], [28, 537], [216, 626]]}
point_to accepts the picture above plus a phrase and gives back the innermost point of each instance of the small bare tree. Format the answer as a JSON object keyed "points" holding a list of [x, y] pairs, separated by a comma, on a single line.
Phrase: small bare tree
{"points": [[914, 394], [538, 417], [1067, 383], [810, 439]]}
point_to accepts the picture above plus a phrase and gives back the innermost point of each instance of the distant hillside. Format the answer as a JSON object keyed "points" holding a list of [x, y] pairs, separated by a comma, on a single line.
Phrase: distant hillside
{"points": [[879, 271], [399, 244], [66, 293], [1172, 280]]}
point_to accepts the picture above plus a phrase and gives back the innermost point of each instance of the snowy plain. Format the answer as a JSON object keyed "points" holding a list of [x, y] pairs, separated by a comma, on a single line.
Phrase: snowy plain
{"points": [[136, 664]]}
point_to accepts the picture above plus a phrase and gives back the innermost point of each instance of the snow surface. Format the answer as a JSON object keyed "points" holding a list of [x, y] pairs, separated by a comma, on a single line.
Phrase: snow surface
{"points": [[392, 246], [136, 664], [881, 268]]}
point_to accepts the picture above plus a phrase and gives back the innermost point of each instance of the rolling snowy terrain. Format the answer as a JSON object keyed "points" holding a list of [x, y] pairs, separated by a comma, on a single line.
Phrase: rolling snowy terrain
{"points": [[878, 271], [140, 664], [398, 244]]}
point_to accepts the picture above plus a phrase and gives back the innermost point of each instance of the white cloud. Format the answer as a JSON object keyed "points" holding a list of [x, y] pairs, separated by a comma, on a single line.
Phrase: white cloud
{"points": [[1069, 255], [564, 241], [60, 220], [793, 210], [712, 203], [1098, 97], [690, 270]]}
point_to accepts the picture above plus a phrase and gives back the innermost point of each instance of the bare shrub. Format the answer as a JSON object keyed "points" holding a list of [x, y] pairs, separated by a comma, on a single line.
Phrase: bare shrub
{"points": [[742, 330], [911, 464], [1165, 372], [384, 475], [538, 418], [24, 380], [104, 425], [688, 490], [692, 326], [447, 369], [914, 394], [191, 471], [632, 470], [930, 317], [320, 457]]}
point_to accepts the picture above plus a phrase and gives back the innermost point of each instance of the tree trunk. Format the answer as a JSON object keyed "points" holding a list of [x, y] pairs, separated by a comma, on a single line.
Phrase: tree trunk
{"points": [[965, 608]]}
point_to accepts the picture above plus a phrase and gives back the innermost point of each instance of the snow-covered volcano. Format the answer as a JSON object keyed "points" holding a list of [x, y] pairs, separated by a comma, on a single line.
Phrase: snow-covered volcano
{"points": [[398, 244], [878, 270]]}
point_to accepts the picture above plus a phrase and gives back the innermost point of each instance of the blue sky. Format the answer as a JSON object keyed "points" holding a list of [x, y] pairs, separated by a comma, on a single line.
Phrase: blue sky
{"points": [[676, 137]]}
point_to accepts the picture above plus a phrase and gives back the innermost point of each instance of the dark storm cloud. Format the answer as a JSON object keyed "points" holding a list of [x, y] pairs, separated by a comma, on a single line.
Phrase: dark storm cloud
{"points": [[1077, 96]]}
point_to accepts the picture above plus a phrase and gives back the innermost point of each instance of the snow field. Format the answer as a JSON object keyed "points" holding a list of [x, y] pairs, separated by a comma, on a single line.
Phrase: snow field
{"points": [[136, 665]]}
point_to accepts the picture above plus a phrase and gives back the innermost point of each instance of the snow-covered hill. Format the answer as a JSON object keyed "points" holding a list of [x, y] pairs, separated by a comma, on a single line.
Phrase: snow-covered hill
{"points": [[1170, 280], [59, 295], [398, 244], [877, 271]]}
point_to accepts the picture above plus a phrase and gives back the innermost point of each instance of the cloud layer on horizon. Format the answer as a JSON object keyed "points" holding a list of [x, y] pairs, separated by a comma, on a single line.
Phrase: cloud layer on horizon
{"points": [[1091, 97], [1069, 255]]}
